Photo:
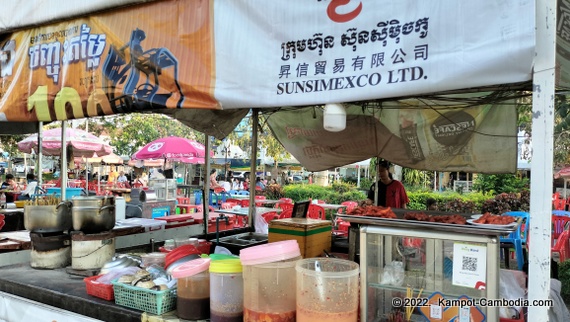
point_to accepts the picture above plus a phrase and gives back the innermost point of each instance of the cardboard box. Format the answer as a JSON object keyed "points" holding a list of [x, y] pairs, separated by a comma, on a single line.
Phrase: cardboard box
{"points": [[313, 236]]}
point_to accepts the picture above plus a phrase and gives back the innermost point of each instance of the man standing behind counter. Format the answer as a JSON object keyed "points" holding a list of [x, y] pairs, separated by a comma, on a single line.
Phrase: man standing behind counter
{"points": [[391, 193]]}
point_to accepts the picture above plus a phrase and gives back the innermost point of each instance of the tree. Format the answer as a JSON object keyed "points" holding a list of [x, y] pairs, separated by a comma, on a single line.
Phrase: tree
{"points": [[129, 133], [561, 126], [10, 143], [241, 136]]}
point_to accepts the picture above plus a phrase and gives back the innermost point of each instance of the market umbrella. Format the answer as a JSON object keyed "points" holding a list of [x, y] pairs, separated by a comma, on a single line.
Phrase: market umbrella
{"points": [[83, 144], [160, 162], [563, 173], [172, 148], [107, 159]]}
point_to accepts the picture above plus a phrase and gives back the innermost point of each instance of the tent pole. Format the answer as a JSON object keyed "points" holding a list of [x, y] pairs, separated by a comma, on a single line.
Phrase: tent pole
{"points": [[63, 165], [543, 111], [40, 151], [206, 191], [253, 163]]}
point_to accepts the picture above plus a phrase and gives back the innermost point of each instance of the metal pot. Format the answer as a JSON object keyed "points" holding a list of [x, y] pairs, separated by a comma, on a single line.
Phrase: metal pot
{"points": [[93, 219], [93, 201], [48, 219]]}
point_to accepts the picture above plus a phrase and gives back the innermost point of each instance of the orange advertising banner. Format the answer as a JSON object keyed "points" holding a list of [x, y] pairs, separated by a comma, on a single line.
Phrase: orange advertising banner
{"points": [[144, 57]]}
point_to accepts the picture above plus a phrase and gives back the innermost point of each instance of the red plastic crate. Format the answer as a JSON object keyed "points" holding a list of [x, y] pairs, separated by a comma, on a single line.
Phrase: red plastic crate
{"points": [[100, 290]]}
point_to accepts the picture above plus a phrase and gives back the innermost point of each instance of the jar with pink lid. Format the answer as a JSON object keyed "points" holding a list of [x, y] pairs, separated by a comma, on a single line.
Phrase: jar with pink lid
{"points": [[193, 294], [269, 281]]}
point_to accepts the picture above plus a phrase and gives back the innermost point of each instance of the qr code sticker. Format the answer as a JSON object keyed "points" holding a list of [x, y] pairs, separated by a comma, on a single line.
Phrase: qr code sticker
{"points": [[469, 264]]}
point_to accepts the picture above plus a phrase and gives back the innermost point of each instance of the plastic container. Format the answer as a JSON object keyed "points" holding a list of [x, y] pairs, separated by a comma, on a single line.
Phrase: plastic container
{"points": [[154, 302], [153, 259], [120, 208], [268, 276], [327, 290], [100, 290], [226, 289], [193, 300], [197, 197]]}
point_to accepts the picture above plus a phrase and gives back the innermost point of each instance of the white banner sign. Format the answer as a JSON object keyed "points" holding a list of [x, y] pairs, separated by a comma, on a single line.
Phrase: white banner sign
{"points": [[304, 52]]}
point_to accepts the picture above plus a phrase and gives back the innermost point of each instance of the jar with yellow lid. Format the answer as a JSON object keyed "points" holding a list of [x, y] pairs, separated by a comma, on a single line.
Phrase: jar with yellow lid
{"points": [[226, 290]]}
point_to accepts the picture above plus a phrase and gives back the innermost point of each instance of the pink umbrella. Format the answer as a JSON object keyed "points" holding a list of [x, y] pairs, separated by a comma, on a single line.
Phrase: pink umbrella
{"points": [[160, 162], [563, 173], [172, 148], [84, 144]]}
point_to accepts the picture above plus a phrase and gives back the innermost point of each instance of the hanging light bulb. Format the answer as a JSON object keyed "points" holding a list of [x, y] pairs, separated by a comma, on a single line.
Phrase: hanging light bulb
{"points": [[334, 117]]}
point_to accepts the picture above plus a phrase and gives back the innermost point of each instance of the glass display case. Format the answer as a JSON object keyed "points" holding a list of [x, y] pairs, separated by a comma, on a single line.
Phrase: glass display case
{"points": [[430, 268]]}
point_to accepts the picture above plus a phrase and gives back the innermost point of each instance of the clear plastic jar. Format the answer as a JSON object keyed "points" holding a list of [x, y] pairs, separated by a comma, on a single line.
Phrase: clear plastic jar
{"points": [[226, 290], [153, 259], [193, 293], [327, 290], [269, 279]]}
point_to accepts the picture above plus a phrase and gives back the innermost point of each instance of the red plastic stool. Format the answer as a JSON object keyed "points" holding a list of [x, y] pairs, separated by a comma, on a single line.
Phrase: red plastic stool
{"points": [[183, 200]]}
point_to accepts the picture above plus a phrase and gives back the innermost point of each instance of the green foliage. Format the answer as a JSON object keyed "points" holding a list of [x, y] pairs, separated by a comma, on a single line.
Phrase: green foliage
{"points": [[274, 192], [131, 132], [342, 187], [499, 183], [366, 183], [564, 277], [415, 177], [334, 194], [504, 202], [449, 201]]}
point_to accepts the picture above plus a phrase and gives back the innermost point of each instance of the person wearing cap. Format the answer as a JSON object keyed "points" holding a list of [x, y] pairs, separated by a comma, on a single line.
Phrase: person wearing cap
{"points": [[391, 193]]}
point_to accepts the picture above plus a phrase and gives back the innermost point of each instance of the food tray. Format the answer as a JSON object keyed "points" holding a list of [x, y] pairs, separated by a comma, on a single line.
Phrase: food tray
{"points": [[154, 302], [100, 290], [411, 224]]}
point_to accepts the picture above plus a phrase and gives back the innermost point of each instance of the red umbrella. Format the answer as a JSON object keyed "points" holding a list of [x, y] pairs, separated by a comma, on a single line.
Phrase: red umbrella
{"points": [[172, 148]]}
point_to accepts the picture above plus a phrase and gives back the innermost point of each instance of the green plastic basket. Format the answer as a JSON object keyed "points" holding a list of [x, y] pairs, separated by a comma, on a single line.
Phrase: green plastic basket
{"points": [[155, 302]]}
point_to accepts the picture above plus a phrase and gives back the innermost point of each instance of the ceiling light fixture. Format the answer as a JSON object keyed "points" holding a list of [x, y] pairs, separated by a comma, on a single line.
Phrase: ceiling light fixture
{"points": [[334, 117]]}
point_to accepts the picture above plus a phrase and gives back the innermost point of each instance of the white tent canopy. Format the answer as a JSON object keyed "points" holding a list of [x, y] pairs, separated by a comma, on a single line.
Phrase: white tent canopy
{"points": [[298, 53]]}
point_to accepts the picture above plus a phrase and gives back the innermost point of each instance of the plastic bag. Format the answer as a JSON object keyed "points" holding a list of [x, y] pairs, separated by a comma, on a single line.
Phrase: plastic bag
{"points": [[394, 274], [510, 288], [116, 273]]}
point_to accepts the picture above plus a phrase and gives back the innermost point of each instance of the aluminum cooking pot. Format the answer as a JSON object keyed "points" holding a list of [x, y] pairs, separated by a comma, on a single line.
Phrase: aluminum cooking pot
{"points": [[93, 201], [48, 219], [93, 219]]}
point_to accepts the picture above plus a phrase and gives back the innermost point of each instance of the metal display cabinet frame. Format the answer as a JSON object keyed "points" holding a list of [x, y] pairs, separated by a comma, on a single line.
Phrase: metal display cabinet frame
{"points": [[378, 248]]}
